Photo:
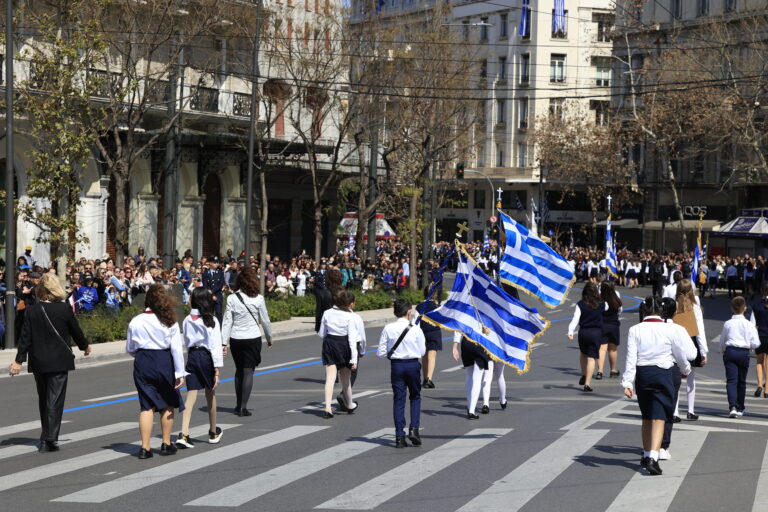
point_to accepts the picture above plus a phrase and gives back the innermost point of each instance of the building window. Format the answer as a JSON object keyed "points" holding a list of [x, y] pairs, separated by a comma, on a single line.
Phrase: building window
{"points": [[603, 67], [601, 112], [556, 108], [479, 198], [604, 25], [702, 7], [484, 68], [677, 9], [525, 68], [501, 111], [559, 27], [557, 68], [499, 155], [484, 29], [730, 5], [502, 68], [522, 113], [503, 30], [465, 29], [522, 154], [527, 23], [480, 157]]}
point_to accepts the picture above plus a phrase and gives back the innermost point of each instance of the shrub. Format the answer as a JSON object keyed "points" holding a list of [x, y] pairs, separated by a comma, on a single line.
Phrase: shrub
{"points": [[101, 325]]}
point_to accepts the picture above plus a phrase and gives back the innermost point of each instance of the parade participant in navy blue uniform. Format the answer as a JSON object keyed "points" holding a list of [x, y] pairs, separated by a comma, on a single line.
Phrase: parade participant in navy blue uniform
{"points": [[403, 344], [611, 329], [476, 364], [433, 336], [653, 349], [759, 318], [154, 340], [213, 279], [202, 336], [588, 317], [739, 336], [339, 332]]}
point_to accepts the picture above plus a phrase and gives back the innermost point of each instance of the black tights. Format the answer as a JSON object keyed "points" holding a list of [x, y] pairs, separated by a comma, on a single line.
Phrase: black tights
{"points": [[243, 386]]}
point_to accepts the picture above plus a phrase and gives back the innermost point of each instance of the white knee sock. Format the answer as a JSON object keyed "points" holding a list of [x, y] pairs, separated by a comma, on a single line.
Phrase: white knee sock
{"points": [[473, 385], [486, 384], [691, 391], [498, 376], [677, 405]]}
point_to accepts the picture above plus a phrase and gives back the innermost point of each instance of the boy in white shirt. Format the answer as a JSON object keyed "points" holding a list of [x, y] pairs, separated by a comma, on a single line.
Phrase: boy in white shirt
{"points": [[739, 336]]}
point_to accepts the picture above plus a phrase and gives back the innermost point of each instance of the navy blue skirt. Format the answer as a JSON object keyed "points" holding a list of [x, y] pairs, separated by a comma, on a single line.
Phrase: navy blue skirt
{"points": [[655, 390], [611, 334], [434, 340], [200, 369], [590, 340], [336, 351], [471, 354], [153, 375]]}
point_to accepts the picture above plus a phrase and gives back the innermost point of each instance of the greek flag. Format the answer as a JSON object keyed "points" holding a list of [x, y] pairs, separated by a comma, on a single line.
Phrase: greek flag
{"points": [[486, 242], [481, 311], [610, 250], [532, 266], [558, 17], [697, 256], [525, 19], [351, 242]]}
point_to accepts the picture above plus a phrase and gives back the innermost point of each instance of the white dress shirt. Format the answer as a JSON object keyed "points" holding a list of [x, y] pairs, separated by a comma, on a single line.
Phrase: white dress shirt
{"points": [[413, 346], [196, 334], [654, 342], [239, 320], [147, 332], [740, 333], [701, 339], [360, 327], [338, 322]]}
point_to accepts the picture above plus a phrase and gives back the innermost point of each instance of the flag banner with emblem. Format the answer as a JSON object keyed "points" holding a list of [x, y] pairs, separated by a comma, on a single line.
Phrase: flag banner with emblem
{"points": [[532, 266], [610, 250], [697, 255], [486, 315], [486, 242], [525, 19]]}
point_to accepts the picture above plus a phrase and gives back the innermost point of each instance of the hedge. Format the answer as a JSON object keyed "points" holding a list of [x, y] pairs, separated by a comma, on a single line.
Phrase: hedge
{"points": [[102, 325]]}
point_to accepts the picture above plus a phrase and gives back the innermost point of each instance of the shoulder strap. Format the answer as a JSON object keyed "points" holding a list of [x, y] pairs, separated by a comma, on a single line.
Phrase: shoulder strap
{"points": [[248, 309], [45, 314], [398, 342]]}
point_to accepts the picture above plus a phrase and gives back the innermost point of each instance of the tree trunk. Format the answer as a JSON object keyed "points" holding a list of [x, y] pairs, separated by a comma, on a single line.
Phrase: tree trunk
{"points": [[676, 199], [594, 227], [318, 217], [120, 175], [263, 229], [362, 218], [413, 218]]}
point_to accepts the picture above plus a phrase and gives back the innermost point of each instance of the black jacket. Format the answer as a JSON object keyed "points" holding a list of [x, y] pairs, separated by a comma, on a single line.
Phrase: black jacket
{"points": [[47, 352], [323, 302]]}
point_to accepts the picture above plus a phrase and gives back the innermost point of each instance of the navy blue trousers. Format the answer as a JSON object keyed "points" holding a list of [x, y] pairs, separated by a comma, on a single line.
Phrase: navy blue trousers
{"points": [[406, 376], [736, 362], [677, 379]]}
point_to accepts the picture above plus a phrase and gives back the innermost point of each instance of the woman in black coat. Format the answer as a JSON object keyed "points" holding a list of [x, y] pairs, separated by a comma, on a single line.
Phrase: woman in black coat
{"points": [[48, 327]]}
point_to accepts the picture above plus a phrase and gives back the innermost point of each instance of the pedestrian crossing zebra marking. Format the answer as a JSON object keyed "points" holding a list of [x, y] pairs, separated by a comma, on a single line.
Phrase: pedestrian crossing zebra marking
{"points": [[313, 406], [592, 418], [135, 482], [254, 487], [22, 427], [83, 435], [512, 492], [683, 425], [373, 493], [761, 492], [722, 419], [685, 445], [84, 461]]}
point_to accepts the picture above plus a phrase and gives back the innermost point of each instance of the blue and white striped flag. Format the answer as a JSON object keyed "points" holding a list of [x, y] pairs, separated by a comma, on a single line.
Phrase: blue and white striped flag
{"points": [[486, 242], [697, 255], [532, 266], [610, 250], [558, 17], [351, 243], [487, 316], [525, 19]]}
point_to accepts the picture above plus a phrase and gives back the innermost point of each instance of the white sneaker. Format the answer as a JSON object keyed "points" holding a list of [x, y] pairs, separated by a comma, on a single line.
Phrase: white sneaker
{"points": [[740, 413], [733, 413], [664, 454]]}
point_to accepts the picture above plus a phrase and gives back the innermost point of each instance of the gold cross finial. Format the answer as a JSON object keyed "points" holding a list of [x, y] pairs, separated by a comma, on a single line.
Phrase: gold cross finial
{"points": [[462, 227]]}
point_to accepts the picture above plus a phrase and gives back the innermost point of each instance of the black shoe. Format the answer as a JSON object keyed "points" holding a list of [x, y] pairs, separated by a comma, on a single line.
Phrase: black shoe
{"points": [[215, 437], [48, 446], [413, 435], [614, 375], [327, 415], [145, 454], [503, 405], [342, 403], [485, 409], [644, 462], [692, 417], [472, 416], [758, 391], [676, 419], [354, 409], [599, 376], [582, 380], [237, 411], [400, 442], [587, 389], [428, 384], [653, 467], [168, 449], [184, 441], [244, 412]]}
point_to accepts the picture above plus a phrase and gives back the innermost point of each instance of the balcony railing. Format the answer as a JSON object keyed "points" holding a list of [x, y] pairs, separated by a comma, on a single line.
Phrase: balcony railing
{"points": [[241, 104], [205, 99]]}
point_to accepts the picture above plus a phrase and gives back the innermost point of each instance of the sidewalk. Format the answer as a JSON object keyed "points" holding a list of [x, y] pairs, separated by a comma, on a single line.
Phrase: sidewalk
{"points": [[115, 350]]}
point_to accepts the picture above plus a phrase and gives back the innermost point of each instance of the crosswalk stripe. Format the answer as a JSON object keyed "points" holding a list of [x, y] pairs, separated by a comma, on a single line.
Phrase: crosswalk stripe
{"points": [[83, 435], [681, 426], [22, 427], [761, 491], [251, 488], [452, 369], [84, 461], [130, 483], [315, 405], [598, 415], [735, 422], [513, 491], [685, 447], [110, 397], [373, 493]]}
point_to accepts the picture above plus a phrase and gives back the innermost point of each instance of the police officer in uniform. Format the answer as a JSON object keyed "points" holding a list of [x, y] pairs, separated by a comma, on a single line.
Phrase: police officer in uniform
{"points": [[213, 279]]}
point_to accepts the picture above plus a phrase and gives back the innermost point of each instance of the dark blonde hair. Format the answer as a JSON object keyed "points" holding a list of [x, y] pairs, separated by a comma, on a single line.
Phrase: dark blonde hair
{"points": [[49, 289], [684, 296], [738, 305]]}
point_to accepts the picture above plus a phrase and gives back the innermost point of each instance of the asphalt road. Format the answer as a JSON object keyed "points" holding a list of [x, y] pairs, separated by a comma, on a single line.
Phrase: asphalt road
{"points": [[553, 448]]}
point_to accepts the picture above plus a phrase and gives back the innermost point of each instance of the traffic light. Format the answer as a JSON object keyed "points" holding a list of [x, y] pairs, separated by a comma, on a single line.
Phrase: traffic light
{"points": [[495, 232], [460, 171]]}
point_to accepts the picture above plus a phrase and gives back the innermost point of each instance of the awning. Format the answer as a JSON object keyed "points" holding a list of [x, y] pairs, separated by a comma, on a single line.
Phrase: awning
{"points": [[688, 225], [348, 227], [744, 227], [621, 223]]}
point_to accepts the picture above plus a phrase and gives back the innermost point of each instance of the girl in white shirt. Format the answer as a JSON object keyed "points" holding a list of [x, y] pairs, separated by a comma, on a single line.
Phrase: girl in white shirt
{"points": [[202, 336], [339, 331], [154, 340], [687, 304]]}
